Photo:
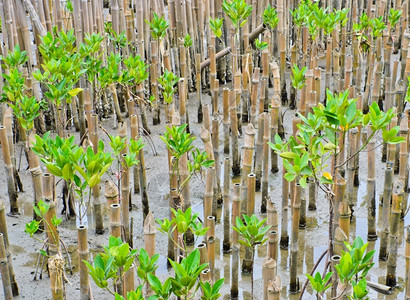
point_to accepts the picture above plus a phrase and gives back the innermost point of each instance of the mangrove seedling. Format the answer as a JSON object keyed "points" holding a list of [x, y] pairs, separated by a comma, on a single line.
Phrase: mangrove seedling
{"points": [[211, 292], [253, 234]]}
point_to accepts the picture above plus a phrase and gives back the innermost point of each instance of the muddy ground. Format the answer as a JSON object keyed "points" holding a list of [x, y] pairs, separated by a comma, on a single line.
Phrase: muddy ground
{"points": [[313, 239]]}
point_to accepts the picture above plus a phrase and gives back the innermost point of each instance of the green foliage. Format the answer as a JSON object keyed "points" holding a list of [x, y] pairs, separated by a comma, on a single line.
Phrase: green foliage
{"points": [[298, 77], [238, 12], [319, 284], [177, 140], [182, 222], [26, 109], [64, 159], [261, 45], [187, 41], [211, 292], [355, 263], [111, 72], [378, 26], [136, 71], [216, 26], [90, 51], [62, 66], [200, 160], [394, 16], [307, 154], [147, 265], [32, 227], [270, 17], [251, 230], [133, 295], [158, 27], [186, 274], [69, 6], [117, 255], [162, 290], [168, 80], [359, 290], [130, 159], [119, 40]]}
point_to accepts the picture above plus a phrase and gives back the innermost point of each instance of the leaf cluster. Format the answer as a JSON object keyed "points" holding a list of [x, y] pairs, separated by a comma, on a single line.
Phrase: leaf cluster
{"points": [[238, 12], [251, 230], [168, 80], [158, 27], [307, 154], [270, 17], [216, 26], [298, 77], [107, 264]]}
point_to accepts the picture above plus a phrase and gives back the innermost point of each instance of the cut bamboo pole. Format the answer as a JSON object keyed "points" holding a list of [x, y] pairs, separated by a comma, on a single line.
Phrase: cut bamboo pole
{"points": [[274, 289], [251, 194], [312, 194], [225, 120], [3, 231], [387, 194], [236, 206], [11, 186], [273, 245], [249, 145], [259, 149], [83, 255], [344, 218], [398, 192], [407, 256], [115, 220], [125, 194], [268, 274], [236, 169], [294, 282], [4, 268], [51, 230], [211, 241], [371, 188], [226, 206], [56, 269], [284, 236], [265, 163], [134, 135], [235, 271], [208, 196]]}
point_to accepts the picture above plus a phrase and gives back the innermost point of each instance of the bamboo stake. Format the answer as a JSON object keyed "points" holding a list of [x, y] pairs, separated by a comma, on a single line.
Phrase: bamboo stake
{"points": [[235, 271], [225, 119], [203, 251], [273, 245], [284, 236], [51, 230], [371, 188], [111, 192], [274, 115], [407, 257], [249, 145], [83, 255], [259, 149], [4, 268], [3, 231], [251, 194], [226, 205], [125, 195], [344, 218], [265, 161], [387, 194], [312, 194], [56, 267], [208, 196], [268, 274], [115, 220], [134, 135], [236, 169], [211, 241], [398, 192], [294, 282], [11, 187], [274, 289]]}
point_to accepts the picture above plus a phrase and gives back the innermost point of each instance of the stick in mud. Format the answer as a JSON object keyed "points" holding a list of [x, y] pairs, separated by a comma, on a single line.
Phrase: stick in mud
{"points": [[226, 206], [83, 255], [398, 192], [387, 194]]}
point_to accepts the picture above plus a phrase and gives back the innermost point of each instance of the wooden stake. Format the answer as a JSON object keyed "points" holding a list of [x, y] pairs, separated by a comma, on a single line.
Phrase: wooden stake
{"points": [[83, 255], [226, 206]]}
